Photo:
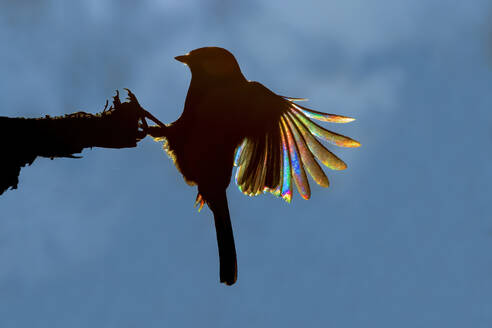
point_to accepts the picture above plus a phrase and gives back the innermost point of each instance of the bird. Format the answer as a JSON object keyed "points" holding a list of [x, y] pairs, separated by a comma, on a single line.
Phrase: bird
{"points": [[229, 121]]}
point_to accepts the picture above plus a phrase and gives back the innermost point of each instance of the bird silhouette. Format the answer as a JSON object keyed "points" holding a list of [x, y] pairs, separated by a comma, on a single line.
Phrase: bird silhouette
{"points": [[229, 121]]}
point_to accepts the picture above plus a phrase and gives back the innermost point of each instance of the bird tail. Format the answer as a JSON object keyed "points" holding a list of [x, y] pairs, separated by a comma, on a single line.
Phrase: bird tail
{"points": [[225, 238]]}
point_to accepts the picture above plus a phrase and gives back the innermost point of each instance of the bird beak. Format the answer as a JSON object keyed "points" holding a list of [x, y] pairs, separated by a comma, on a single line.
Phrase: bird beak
{"points": [[183, 59]]}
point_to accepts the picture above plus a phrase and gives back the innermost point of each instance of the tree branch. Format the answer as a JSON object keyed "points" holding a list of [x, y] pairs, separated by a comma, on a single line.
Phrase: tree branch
{"points": [[123, 125]]}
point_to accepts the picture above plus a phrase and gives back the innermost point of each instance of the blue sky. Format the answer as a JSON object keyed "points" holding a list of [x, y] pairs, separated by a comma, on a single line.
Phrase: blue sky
{"points": [[402, 238]]}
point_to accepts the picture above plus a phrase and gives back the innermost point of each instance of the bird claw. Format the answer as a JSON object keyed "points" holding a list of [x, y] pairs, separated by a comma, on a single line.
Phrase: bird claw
{"points": [[131, 97], [199, 202], [156, 131]]}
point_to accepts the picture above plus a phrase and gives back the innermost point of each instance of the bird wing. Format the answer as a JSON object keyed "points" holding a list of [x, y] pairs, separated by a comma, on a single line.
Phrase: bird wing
{"points": [[284, 145]]}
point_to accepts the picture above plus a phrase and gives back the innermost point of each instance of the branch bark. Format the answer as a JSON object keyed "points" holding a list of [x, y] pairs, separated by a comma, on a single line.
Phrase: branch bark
{"points": [[22, 140]]}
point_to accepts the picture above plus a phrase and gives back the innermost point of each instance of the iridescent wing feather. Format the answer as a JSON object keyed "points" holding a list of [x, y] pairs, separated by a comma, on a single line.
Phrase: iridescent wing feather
{"points": [[285, 153]]}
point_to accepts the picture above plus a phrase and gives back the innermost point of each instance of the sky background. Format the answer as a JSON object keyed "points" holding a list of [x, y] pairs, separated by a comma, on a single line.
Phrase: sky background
{"points": [[402, 238]]}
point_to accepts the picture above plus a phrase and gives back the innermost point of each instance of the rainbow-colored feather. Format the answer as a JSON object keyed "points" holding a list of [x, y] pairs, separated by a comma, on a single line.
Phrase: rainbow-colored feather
{"points": [[272, 163]]}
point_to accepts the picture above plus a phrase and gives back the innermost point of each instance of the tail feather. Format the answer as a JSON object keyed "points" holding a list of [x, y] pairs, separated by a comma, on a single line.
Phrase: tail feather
{"points": [[225, 238]]}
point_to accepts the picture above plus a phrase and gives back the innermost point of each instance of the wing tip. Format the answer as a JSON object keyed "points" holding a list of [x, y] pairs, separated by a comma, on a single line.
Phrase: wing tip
{"points": [[348, 143], [344, 119], [340, 167]]}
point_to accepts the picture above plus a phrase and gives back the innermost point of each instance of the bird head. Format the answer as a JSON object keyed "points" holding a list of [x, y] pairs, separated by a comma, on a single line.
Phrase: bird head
{"points": [[211, 62]]}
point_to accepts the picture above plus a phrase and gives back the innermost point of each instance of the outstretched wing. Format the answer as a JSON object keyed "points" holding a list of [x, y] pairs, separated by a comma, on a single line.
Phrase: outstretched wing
{"points": [[286, 147]]}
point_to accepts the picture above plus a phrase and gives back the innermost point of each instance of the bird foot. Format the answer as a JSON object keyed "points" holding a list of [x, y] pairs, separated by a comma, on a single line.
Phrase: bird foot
{"points": [[199, 202], [156, 131]]}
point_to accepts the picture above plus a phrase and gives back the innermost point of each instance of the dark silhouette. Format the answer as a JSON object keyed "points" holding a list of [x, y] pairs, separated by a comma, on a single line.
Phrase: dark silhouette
{"points": [[272, 137], [22, 140]]}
